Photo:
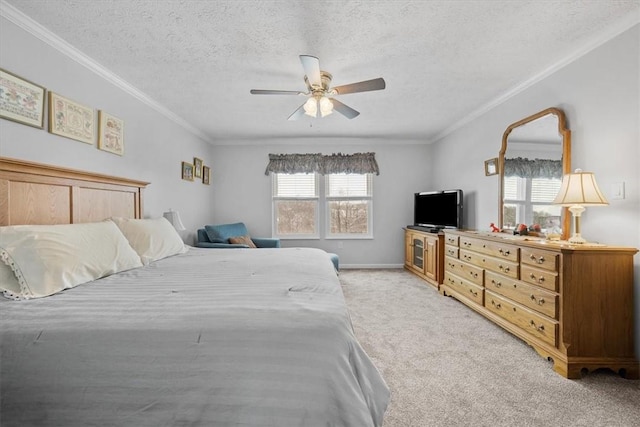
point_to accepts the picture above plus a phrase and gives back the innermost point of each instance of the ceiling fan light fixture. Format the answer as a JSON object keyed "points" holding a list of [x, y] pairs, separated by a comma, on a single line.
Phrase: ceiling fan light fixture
{"points": [[326, 106], [311, 107]]}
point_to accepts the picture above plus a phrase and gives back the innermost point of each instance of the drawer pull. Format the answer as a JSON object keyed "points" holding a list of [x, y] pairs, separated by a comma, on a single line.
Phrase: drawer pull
{"points": [[539, 260], [496, 284], [474, 293], [538, 301], [503, 252], [474, 275], [467, 257], [503, 268], [493, 303], [540, 280], [537, 328]]}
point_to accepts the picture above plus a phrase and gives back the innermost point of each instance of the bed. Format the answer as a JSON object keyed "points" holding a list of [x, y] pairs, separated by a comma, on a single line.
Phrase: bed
{"points": [[200, 338]]}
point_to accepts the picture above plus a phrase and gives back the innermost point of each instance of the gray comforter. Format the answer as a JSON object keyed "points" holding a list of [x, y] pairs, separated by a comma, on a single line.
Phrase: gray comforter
{"points": [[208, 338]]}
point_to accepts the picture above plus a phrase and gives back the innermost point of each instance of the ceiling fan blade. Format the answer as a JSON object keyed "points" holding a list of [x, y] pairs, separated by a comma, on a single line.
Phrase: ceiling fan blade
{"points": [[365, 86], [275, 92], [345, 110], [311, 66], [297, 114]]}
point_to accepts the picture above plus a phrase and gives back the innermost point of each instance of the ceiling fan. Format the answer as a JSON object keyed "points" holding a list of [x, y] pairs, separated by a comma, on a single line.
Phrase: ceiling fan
{"points": [[320, 93]]}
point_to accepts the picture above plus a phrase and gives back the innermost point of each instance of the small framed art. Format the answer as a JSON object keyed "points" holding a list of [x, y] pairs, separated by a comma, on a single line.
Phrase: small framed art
{"points": [[187, 171], [110, 133], [69, 119], [20, 100], [197, 167], [206, 174], [491, 167]]}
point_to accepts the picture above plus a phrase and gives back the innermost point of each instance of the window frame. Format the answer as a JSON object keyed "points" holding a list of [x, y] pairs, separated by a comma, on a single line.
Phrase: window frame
{"points": [[322, 225], [368, 199]]}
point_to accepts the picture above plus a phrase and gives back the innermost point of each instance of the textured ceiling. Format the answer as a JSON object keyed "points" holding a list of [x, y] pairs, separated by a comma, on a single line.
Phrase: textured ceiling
{"points": [[442, 60]]}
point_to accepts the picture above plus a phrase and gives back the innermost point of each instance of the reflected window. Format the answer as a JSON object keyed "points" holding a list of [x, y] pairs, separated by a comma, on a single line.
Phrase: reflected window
{"points": [[529, 201]]}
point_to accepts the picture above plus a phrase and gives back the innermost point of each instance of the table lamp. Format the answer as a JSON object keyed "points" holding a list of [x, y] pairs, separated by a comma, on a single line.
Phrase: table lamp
{"points": [[579, 189]]}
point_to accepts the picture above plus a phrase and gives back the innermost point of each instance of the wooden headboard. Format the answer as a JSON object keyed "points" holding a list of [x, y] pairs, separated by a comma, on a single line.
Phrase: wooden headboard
{"points": [[35, 193]]}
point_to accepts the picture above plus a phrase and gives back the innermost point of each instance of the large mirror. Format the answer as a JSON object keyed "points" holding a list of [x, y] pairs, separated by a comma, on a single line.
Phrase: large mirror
{"points": [[535, 154]]}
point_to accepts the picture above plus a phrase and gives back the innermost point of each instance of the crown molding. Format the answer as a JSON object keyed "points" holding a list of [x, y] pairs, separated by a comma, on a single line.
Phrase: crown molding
{"points": [[26, 23], [594, 42]]}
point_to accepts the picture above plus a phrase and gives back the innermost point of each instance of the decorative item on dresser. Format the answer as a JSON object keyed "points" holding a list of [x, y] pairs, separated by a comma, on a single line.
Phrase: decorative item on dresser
{"points": [[572, 303], [424, 256]]}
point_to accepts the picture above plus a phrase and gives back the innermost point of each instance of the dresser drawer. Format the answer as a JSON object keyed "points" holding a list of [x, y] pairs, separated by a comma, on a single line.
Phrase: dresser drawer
{"points": [[540, 258], [496, 249], [543, 278], [530, 296], [470, 272], [464, 287], [527, 320], [450, 239], [451, 251], [507, 268]]}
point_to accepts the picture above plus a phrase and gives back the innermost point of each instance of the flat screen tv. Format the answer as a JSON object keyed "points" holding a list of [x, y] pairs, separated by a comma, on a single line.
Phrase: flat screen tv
{"points": [[435, 210]]}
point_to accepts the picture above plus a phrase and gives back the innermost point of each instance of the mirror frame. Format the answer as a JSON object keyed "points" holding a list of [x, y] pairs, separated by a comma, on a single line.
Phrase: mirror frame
{"points": [[566, 161]]}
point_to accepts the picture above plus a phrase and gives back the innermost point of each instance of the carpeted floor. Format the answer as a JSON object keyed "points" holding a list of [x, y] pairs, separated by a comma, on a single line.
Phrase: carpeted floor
{"points": [[448, 366]]}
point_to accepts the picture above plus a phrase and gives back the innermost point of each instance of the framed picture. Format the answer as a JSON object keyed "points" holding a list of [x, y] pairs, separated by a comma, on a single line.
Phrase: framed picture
{"points": [[197, 167], [187, 171], [110, 133], [20, 100], [491, 167], [206, 174], [69, 119]]}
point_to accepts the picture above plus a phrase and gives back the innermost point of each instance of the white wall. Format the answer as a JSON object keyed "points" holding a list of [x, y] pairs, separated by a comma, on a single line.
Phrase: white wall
{"points": [[154, 145], [244, 194], [600, 94]]}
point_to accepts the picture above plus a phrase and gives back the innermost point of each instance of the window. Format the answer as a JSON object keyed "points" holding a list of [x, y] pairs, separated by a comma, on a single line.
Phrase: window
{"points": [[348, 203], [529, 201], [295, 205], [343, 200]]}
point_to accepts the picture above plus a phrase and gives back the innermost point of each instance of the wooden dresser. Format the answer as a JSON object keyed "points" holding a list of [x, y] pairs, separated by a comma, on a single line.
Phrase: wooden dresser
{"points": [[572, 303]]}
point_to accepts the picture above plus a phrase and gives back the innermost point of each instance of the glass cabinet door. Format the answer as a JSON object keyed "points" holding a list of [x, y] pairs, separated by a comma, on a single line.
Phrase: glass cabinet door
{"points": [[418, 253]]}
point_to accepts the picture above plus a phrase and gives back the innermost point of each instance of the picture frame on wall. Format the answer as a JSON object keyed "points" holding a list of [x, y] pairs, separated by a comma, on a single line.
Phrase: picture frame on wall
{"points": [[21, 101], [110, 133], [187, 171], [491, 167], [71, 119], [197, 167], [206, 175]]}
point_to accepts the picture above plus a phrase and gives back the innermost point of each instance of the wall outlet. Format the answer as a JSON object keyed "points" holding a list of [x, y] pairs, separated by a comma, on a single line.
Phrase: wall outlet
{"points": [[617, 191]]}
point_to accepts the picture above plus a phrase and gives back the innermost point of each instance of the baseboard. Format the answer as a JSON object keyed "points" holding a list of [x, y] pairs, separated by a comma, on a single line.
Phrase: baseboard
{"points": [[369, 266]]}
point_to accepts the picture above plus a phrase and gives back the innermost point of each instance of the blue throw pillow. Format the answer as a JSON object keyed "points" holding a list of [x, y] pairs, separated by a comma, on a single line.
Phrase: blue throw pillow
{"points": [[222, 233]]}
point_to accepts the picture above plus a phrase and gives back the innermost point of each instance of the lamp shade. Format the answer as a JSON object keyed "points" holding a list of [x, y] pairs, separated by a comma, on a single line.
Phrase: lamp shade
{"points": [[174, 218], [580, 188], [311, 107]]}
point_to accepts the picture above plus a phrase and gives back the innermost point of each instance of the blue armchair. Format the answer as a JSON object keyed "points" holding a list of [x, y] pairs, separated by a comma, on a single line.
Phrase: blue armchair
{"points": [[217, 236]]}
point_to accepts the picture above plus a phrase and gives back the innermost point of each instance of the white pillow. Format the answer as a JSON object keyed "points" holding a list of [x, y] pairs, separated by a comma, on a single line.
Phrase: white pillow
{"points": [[8, 282], [152, 239], [46, 259]]}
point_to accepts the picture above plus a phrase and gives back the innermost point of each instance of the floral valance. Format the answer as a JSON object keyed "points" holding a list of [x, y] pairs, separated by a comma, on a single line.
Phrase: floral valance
{"points": [[536, 168], [359, 163]]}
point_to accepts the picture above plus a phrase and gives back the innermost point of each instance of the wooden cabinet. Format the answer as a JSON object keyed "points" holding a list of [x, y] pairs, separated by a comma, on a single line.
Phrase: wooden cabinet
{"points": [[424, 255], [572, 303]]}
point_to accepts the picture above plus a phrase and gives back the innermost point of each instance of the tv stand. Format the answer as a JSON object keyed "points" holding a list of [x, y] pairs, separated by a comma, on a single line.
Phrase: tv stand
{"points": [[424, 253]]}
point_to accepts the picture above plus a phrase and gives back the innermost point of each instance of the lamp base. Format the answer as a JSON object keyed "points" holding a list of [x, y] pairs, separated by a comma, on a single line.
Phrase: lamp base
{"points": [[577, 239]]}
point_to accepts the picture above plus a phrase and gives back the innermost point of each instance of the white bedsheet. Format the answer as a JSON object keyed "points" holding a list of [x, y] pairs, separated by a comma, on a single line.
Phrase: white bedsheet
{"points": [[209, 338]]}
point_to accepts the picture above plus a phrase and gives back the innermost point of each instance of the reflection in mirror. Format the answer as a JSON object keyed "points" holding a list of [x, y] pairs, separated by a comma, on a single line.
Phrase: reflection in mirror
{"points": [[535, 154]]}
